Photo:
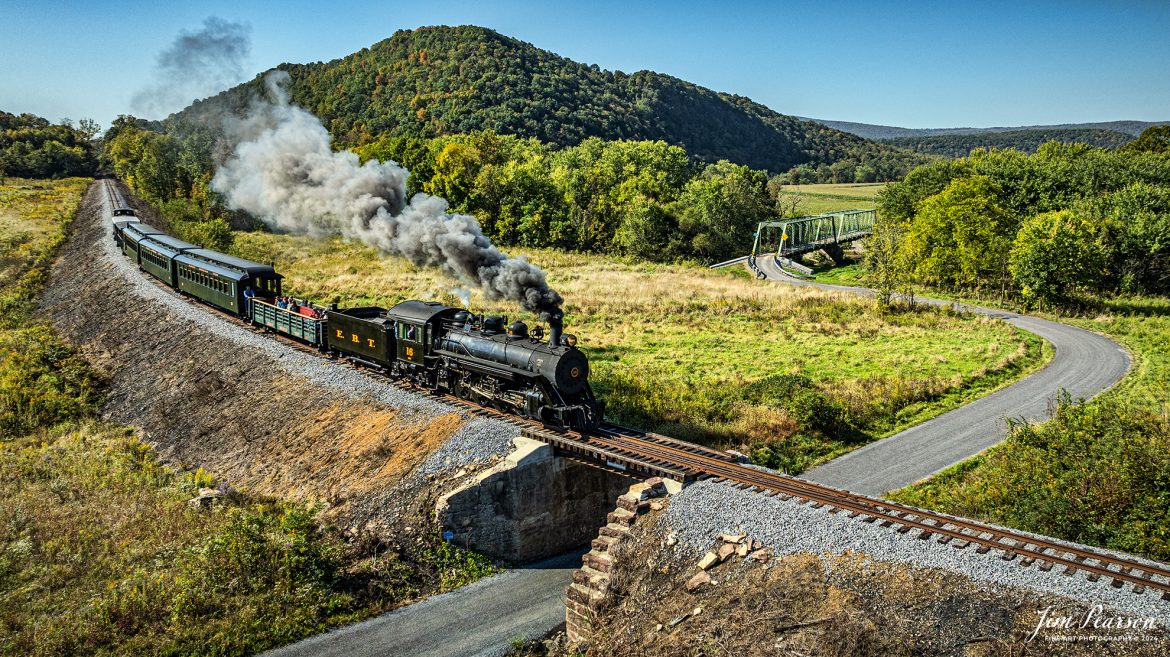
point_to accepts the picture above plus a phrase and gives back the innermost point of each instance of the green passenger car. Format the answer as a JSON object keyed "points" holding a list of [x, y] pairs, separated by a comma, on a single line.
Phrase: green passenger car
{"points": [[156, 256], [132, 234], [221, 280]]}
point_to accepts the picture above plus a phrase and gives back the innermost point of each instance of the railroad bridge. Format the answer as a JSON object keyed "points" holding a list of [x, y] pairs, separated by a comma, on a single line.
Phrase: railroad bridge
{"points": [[788, 238]]}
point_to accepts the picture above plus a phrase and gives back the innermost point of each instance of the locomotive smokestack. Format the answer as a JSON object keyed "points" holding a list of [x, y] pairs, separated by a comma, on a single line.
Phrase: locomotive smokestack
{"points": [[556, 324]]}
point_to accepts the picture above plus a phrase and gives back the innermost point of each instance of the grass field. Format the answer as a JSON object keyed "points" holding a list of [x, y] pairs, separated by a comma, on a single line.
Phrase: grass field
{"points": [[34, 215], [100, 552], [714, 356], [831, 197]]}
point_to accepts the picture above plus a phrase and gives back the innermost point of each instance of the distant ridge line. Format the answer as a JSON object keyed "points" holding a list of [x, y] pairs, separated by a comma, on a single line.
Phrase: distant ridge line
{"points": [[876, 131]]}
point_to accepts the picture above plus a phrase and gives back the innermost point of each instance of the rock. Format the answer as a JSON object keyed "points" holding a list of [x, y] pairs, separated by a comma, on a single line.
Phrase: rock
{"points": [[698, 581], [206, 497], [743, 549], [725, 551], [761, 556], [732, 538], [658, 627], [710, 559], [655, 487], [756, 545], [697, 611], [672, 540], [740, 457], [657, 506]]}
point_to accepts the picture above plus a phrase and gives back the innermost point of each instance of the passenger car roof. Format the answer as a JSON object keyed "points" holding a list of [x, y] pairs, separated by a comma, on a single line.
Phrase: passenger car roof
{"points": [[232, 262]]}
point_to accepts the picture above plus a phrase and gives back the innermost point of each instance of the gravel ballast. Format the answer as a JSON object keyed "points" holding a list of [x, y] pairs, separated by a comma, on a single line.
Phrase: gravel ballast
{"points": [[478, 441], [704, 510]]}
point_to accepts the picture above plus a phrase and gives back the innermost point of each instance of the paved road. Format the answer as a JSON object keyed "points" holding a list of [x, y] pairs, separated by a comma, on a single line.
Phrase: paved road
{"points": [[477, 620], [1084, 364]]}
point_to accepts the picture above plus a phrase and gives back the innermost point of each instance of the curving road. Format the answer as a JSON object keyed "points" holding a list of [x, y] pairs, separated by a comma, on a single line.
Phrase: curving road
{"points": [[1084, 364], [478, 620]]}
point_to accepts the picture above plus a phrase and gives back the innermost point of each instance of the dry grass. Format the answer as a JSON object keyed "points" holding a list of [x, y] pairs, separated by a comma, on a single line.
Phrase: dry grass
{"points": [[671, 344], [33, 217]]}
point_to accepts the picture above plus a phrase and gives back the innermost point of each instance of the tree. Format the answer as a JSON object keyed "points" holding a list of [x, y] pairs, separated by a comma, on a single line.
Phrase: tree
{"points": [[648, 230], [88, 128], [1139, 217], [1154, 139], [720, 208], [887, 271], [1054, 253], [960, 238]]}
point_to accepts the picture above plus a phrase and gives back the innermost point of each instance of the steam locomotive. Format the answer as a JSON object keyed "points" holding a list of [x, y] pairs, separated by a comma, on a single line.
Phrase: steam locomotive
{"points": [[482, 359]]}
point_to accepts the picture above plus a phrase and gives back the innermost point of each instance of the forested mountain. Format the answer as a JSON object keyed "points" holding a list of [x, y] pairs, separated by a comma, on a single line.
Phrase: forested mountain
{"points": [[449, 80], [872, 131], [1025, 141]]}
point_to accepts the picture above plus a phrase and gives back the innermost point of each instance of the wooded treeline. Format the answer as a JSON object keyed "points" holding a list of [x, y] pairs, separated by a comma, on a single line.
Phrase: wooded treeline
{"points": [[1025, 141], [1051, 227], [32, 147], [639, 198]]}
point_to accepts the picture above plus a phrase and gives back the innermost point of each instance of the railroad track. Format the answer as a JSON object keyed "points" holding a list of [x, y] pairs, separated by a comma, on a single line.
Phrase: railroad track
{"points": [[961, 533], [630, 451]]}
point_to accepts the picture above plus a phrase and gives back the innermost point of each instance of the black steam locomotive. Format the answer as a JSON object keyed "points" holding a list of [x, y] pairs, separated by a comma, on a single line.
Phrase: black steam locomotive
{"points": [[482, 359]]}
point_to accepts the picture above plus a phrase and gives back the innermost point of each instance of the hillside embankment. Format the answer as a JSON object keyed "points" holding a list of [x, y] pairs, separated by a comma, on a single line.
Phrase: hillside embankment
{"points": [[262, 416], [714, 570]]}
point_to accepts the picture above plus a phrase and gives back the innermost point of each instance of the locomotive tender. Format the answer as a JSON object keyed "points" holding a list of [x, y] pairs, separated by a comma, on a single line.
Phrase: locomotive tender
{"points": [[482, 359]]}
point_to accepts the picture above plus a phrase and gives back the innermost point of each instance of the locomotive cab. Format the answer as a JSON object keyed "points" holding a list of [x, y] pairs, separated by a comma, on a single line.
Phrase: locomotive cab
{"points": [[418, 324]]}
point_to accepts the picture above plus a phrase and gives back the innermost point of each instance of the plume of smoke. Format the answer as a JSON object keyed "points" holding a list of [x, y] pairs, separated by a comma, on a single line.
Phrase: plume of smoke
{"points": [[196, 65], [285, 172]]}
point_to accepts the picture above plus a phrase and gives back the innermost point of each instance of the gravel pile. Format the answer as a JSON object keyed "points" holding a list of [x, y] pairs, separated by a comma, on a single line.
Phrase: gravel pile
{"points": [[702, 511], [477, 441]]}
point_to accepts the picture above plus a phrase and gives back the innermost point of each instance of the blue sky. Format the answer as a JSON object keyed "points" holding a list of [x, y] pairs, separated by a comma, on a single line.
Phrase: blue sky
{"points": [[913, 64]]}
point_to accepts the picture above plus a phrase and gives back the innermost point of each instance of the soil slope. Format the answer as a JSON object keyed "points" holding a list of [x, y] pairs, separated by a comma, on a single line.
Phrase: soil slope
{"points": [[261, 415]]}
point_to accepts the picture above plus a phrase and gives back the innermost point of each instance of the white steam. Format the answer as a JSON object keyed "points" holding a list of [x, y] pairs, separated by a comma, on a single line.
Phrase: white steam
{"points": [[285, 172]]}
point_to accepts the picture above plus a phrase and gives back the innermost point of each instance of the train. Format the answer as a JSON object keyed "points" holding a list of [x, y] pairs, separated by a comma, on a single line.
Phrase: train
{"points": [[479, 358]]}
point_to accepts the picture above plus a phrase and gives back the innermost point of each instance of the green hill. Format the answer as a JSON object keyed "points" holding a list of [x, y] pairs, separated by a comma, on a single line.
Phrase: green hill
{"points": [[1026, 141], [444, 80]]}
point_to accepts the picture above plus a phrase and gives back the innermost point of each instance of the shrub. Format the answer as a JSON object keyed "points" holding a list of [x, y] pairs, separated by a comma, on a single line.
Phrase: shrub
{"points": [[1054, 253], [1096, 473], [42, 382]]}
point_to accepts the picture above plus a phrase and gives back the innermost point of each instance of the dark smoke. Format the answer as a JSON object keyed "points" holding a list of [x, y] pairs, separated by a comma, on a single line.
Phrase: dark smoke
{"points": [[285, 172], [196, 65]]}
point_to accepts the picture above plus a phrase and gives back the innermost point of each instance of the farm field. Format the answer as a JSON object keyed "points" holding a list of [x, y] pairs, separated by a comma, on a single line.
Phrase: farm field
{"points": [[831, 197], [714, 356]]}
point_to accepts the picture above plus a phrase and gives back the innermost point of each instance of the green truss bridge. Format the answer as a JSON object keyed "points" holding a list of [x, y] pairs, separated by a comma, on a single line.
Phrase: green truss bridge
{"points": [[788, 238]]}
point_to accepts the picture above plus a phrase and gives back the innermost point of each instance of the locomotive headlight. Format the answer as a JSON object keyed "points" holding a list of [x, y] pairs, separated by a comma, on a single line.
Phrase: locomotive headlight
{"points": [[570, 340]]}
